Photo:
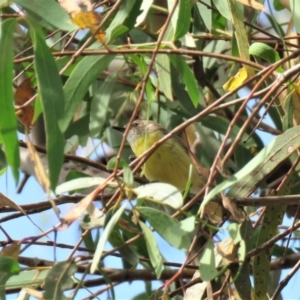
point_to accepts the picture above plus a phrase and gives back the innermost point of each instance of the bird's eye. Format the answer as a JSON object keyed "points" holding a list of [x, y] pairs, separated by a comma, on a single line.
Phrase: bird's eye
{"points": [[134, 124]]}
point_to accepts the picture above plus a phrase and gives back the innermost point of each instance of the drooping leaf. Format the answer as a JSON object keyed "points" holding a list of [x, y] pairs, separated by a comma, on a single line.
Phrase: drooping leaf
{"points": [[187, 77], [51, 96], [207, 263], [162, 64], [295, 9], [78, 83], [100, 104], [205, 13], [105, 236], [8, 122], [182, 18], [153, 251]]}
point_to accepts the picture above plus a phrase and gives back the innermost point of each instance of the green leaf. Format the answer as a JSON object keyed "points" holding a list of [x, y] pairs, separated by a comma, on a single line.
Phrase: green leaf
{"points": [[128, 252], [34, 278], [277, 5], [49, 11], [221, 124], [182, 19], [59, 279], [100, 105], [295, 10], [169, 228], [105, 236], [145, 8], [162, 64], [51, 96], [245, 181], [124, 20], [223, 8], [8, 267], [85, 73], [187, 76], [80, 183], [154, 254], [8, 122], [207, 263], [205, 13], [140, 61], [265, 52]]}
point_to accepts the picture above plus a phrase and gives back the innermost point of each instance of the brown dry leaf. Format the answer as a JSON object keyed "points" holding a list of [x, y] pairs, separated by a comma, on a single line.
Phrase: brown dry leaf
{"points": [[286, 4], [90, 20], [78, 210], [5, 201], [213, 212], [34, 293], [236, 81], [227, 249], [39, 170], [254, 4], [22, 94], [232, 208], [12, 250]]}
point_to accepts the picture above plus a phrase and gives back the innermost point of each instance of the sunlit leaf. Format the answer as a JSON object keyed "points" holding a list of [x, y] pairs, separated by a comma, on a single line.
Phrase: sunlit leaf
{"points": [[236, 81], [104, 237]]}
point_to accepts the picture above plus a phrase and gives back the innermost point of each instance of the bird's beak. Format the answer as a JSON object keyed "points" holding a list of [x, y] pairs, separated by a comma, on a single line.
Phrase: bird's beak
{"points": [[121, 129]]}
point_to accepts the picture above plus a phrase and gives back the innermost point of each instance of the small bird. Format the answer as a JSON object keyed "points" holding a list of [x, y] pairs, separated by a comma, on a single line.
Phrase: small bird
{"points": [[170, 162]]}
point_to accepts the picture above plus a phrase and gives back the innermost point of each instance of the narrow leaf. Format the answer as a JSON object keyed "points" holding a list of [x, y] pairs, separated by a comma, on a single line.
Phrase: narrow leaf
{"points": [[100, 104], [295, 9], [49, 11], [162, 64], [52, 99], [187, 76], [105, 236], [78, 83], [183, 19], [154, 254], [8, 121], [205, 13]]}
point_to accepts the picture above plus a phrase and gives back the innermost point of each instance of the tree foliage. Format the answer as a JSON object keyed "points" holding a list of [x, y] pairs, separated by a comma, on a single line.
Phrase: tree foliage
{"points": [[210, 71]]}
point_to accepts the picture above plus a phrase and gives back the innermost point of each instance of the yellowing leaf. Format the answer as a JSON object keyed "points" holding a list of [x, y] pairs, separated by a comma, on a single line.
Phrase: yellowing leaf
{"points": [[90, 20], [296, 103], [254, 4], [40, 172], [236, 81], [12, 250]]}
